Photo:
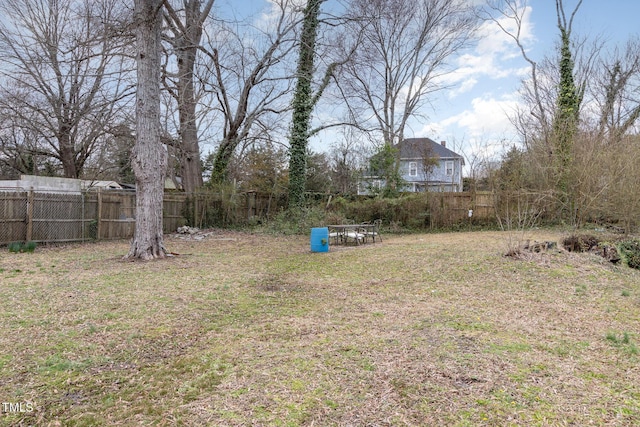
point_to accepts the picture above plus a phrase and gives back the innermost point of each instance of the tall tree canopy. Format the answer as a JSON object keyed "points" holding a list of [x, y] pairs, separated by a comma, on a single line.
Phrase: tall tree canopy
{"points": [[63, 78], [184, 34], [405, 47]]}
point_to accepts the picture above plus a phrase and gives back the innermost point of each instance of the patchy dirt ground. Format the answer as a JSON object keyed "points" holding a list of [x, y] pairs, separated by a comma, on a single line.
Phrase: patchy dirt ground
{"points": [[248, 329]]}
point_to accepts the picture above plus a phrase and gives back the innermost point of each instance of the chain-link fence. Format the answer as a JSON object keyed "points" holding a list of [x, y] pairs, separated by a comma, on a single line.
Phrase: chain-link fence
{"points": [[97, 214], [52, 216], [64, 216], [60, 216]]}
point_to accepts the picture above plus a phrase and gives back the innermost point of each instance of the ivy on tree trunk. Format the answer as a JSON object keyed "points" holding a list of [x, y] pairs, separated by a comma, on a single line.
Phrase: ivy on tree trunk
{"points": [[303, 101], [566, 121]]}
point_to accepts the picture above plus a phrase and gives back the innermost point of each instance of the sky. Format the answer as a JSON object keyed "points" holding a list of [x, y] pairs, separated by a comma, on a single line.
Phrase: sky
{"points": [[472, 116]]}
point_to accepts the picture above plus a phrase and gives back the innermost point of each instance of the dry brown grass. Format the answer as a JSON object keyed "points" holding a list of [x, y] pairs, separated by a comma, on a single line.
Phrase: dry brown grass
{"points": [[240, 329]]}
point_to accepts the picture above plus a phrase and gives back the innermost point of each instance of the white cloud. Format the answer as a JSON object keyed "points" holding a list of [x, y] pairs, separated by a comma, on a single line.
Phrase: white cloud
{"points": [[277, 6], [464, 87], [487, 117], [495, 56], [495, 41]]}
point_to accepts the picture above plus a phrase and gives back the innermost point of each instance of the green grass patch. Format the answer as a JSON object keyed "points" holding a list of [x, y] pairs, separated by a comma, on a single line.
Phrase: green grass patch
{"points": [[17, 247], [623, 341], [59, 363], [514, 347]]}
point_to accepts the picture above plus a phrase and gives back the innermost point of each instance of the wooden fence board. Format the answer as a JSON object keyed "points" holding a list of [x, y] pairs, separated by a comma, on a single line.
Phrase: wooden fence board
{"points": [[173, 212], [13, 216], [117, 214]]}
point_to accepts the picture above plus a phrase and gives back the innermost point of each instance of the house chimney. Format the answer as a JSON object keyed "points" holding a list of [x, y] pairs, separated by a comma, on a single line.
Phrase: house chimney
{"points": [[443, 143]]}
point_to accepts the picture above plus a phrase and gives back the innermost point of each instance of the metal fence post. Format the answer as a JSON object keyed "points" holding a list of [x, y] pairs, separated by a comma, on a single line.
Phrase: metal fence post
{"points": [[82, 202], [195, 209], [99, 215], [30, 197]]}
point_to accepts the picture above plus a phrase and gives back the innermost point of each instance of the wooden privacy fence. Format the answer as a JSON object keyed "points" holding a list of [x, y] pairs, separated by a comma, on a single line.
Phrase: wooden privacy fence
{"points": [[115, 213], [58, 216], [208, 208], [448, 208]]}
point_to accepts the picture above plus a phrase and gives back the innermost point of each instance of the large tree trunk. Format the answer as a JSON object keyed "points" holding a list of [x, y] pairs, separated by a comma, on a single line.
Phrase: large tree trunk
{"points": [[149, 160], [223, 157], [67, 153], [189, 147], [186, 42]]}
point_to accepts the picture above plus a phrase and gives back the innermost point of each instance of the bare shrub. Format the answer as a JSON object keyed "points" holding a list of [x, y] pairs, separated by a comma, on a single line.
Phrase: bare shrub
{"points": [[517, 213]]}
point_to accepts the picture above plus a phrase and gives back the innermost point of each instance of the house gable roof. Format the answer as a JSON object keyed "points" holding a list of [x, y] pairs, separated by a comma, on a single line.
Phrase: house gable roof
{"points": [[416, 148]]}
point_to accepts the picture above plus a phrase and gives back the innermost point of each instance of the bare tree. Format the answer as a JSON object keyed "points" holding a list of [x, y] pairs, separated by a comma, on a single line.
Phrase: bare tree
{"points": [[558, 109], [507, 14], [251, 78], [429, 160], [19, 146], [149, 155], [184, 34], [622, 202], [404, 51], [615, 92], [347, 156], [607, 155], [63, 75], [579, 119]]}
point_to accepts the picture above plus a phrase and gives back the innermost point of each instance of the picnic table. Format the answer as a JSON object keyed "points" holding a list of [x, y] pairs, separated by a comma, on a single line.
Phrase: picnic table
{"points": [[356, 233]]}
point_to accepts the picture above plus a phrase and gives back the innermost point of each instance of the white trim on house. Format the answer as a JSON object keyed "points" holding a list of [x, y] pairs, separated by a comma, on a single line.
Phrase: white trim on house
{"points": [[413, 168], [448, 167]]}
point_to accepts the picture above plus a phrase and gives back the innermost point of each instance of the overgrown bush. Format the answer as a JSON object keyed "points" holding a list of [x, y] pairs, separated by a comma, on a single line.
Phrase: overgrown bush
{"points": [[298, 221], [416, 211], [218, 206], [630, 250], [17, 247], [580, 243]]}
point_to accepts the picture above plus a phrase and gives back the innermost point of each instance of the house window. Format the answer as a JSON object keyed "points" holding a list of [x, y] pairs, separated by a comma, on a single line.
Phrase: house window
{"points": [[448, 167], [413, 169]]}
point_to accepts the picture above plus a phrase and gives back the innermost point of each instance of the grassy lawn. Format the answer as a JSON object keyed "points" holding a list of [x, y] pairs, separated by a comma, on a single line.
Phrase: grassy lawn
{"points": [[240, 329]]}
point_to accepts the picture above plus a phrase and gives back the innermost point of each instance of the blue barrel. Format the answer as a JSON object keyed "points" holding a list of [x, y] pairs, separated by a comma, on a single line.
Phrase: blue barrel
{"points": [[320, 239]]}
